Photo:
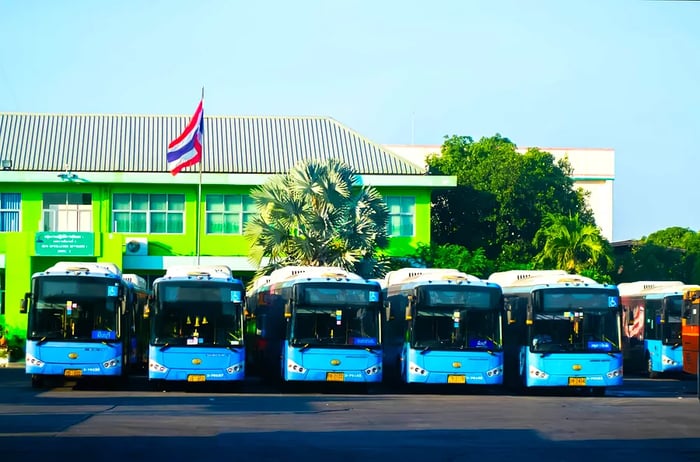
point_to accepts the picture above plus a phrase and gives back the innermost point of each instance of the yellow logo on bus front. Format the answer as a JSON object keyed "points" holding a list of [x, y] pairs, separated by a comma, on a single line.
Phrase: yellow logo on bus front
{"points": [[73, 355], [456, 365], [196, 361], [576, 367], [335, 362]]}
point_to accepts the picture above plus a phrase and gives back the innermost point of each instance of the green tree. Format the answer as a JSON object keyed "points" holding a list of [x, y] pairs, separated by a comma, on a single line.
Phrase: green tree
{"points": [[668, 254], [501, 196], [452, 256], [316, 215], [568, 243]]}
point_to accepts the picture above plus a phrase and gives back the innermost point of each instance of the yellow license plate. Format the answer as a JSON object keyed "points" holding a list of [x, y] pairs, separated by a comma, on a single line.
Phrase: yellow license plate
{"points": [[577, 381], [335, 377], [196, 378], [456, 379], [72, 372]]}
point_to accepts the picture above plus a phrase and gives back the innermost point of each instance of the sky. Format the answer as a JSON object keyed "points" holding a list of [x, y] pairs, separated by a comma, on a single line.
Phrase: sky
{"points": [[621, 74]]}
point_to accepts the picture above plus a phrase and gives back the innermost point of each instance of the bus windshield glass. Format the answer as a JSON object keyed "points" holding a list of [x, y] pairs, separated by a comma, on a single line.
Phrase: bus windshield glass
{"points": [[458, 319], [672, 327], [576, 320], [77, 308], [336, 325], [198, 313]]}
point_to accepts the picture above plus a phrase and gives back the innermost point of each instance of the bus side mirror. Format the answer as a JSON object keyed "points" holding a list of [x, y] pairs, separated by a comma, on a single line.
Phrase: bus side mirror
{"points": [[387, 310], [24, 303]]}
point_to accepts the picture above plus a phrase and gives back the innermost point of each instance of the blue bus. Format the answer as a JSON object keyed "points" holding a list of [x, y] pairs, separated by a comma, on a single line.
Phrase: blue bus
{"points": [[316, 324], [84, 322], [560, 330], [652, 326], [444, 327], [196, 315]]}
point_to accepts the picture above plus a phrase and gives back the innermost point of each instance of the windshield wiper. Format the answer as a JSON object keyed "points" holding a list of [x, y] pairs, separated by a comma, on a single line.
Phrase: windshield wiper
{"points": [[304, 348], [372, 350], [165, 347], [426, 349], [42, 341]]}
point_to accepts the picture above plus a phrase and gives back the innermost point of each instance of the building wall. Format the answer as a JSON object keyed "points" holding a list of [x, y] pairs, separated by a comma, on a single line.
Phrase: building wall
{"points": [[164, 250], [593, 171]]}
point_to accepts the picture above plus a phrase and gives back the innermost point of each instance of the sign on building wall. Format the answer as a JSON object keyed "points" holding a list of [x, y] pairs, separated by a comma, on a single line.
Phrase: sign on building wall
{"points": [[64, 243]]}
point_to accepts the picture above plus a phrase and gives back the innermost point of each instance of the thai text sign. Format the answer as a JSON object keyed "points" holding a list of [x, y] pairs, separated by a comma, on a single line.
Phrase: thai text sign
{"points": [[65, 243]]}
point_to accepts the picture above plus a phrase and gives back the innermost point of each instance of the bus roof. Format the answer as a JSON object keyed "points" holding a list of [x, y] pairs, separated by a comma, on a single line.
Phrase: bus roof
{"points": [[405, 275], [631, 289], [92, 267], [136, 280], [290, 273], [199, 272], [524, 278]]}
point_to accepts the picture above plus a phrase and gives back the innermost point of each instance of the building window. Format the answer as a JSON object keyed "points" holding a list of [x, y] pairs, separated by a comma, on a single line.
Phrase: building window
{"points": [[228, 213], [402, 215], [67, 212], [9, 211], [148, 213]]}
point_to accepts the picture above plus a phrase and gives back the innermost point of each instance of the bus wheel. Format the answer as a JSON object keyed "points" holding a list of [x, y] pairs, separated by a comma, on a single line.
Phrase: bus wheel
{"points": [[37, 381], [652, 373]]}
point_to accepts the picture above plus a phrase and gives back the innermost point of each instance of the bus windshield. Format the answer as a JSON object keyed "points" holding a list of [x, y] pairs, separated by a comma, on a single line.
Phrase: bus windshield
{"points": [[456, 328], [77, 308], [671, 329], [198, 313], [324, 325], [576, 320]]}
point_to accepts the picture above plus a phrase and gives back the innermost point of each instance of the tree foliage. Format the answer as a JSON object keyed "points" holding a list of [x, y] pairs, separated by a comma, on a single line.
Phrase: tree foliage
{"points": [[501, 196], [315, 215], [452, 256], [569, 244], [668, 254]]}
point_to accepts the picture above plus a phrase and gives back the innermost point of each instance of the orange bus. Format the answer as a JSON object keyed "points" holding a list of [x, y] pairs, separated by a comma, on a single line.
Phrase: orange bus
{"points": [[690, 330]]}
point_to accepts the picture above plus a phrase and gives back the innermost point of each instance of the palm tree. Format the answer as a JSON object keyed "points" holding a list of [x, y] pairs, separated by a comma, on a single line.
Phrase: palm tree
{"points": [[315, 215], [568, 243]]}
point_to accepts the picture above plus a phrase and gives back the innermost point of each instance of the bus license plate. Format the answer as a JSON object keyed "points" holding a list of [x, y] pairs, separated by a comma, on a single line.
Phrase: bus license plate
{"points": [[456, 379], [577, 381], [196, 378], [72, 372], [335, 377]]}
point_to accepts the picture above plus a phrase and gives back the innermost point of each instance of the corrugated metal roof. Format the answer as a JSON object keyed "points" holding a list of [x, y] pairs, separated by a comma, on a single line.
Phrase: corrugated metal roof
{"points": [[138, 143]]}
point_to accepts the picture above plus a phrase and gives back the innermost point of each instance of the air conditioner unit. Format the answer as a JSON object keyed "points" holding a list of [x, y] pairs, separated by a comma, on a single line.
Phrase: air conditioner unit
{"points": [[136, 246]]}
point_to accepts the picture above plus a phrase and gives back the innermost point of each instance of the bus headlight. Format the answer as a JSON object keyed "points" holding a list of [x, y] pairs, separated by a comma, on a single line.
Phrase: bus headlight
{"points": [[666, 361], [416, 369], [538, 374], [32, 361], [373, 370], [235, 368], [155, 367], [495, 372], [111, 363], [294, 367], [615, 373]]}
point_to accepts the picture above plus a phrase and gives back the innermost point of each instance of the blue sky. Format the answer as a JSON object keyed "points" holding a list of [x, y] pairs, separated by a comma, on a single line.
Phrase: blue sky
{"points": [[623, 74]]}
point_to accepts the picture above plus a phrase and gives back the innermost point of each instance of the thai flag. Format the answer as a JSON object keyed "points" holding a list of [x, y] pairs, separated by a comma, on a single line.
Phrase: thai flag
{"points": [[186, 149]]}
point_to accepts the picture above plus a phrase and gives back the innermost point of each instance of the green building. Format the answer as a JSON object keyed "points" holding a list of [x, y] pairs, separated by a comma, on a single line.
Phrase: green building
{"points": [[97, 188]]}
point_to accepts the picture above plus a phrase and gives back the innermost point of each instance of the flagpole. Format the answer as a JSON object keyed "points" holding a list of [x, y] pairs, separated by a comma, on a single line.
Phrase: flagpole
{"points": [[199, 189]]}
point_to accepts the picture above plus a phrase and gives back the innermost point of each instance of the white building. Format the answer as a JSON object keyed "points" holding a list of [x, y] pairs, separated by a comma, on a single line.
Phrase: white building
{"points": [[593, 171]]}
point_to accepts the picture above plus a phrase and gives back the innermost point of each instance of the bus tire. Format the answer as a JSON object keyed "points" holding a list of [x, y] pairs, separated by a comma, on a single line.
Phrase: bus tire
{"points": [[652, 373], [37, 381]]}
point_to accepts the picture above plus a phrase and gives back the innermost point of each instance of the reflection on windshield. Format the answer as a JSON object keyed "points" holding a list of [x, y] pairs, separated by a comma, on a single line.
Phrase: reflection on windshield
{"points": [[335, 326], [446, 328], [590, 331]]}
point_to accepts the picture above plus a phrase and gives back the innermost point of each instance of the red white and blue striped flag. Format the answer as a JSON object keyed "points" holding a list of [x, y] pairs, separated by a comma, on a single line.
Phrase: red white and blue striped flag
{"points": [[186, 149]]}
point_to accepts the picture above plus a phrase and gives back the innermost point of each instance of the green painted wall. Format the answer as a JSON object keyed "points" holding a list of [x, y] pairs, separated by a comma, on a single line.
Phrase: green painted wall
{"points": [[19, 247]]}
